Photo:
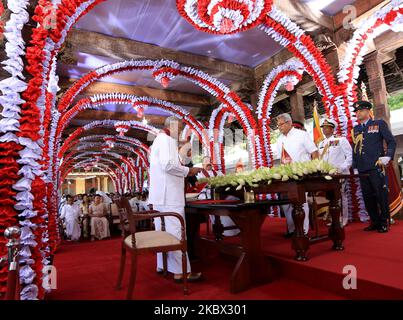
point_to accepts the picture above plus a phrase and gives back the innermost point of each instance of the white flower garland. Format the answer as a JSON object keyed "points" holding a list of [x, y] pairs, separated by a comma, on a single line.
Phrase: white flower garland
{"points": [[11, 100], [255, 9], [354, 55]]}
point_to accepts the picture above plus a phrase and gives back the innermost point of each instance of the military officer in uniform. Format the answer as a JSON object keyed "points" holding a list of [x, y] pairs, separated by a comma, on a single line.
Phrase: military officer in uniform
{"points": [[370, 158], [338, 152]]}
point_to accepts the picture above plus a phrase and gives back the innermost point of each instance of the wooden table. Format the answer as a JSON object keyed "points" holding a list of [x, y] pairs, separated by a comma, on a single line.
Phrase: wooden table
{"points": [[252, 267], [296, 195]]}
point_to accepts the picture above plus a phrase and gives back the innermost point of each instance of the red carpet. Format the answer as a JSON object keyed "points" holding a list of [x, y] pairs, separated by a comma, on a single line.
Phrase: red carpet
{"points": [[88, 270]]}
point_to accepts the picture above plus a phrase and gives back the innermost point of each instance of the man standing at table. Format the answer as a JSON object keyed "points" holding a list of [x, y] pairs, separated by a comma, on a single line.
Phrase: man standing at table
{"points": [[294, 145], [370, 158], [338, 152], [167, 193]]}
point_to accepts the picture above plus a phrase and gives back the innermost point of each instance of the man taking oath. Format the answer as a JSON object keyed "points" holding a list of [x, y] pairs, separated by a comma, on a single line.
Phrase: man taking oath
{"points": [[370, 158], [294, 145]]}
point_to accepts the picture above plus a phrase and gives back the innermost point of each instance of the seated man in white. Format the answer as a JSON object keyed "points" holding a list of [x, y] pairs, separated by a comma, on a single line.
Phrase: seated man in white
{"points": [[294, 145], [99, 223], [208, 172], [70, 214]]}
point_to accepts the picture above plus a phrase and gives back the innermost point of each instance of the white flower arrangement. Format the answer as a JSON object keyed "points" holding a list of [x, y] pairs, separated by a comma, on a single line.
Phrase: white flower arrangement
{"points": [[265, 176]]}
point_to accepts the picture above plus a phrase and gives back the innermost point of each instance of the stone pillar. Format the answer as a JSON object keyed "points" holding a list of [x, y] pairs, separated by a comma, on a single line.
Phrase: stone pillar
{"points": [[377, 86], [297, 105]]}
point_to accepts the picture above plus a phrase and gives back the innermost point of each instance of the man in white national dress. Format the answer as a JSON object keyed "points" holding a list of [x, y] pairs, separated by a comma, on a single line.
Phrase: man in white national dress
{"points": [[338, 152], [167, 191], [70, 214], [208, 172], [294, 145]]}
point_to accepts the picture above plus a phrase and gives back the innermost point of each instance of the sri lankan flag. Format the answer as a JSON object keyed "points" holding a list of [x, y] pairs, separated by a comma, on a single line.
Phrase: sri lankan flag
{"points": [[317, 131]]}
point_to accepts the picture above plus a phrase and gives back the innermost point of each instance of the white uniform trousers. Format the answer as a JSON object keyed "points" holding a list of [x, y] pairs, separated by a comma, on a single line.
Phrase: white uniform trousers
{"points": [[287, 208], [172, 226]]}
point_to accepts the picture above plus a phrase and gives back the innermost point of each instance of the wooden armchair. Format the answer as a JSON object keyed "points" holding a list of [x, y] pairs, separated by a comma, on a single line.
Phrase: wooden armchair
{"points": [[147, 241]]}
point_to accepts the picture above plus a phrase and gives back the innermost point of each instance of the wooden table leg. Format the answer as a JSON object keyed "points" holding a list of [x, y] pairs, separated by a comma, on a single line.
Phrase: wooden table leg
{"points": [[336, 230], [252, 268], [300, 241], [218, 228], [192, 234]]}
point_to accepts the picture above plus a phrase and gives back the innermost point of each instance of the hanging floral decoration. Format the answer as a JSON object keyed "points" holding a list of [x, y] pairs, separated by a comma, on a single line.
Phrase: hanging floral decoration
{"points": [[11, 88], [69, 142], [23, 123], [110, 141], [140, 110], [224, 16], [121, 128], [132, 142]]}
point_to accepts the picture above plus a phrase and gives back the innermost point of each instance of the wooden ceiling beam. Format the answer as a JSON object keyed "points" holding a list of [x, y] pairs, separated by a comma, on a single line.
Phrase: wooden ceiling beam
{"points": [[125, 49]]}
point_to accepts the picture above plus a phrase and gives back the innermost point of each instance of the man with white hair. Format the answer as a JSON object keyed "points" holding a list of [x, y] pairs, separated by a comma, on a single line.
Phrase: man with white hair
{"points": [[338, 152], [294, 145], [167, 191]]}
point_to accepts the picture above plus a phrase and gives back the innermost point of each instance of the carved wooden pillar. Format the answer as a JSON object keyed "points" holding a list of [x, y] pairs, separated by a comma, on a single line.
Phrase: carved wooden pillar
{"points": [[297, 105], [377, 85]]}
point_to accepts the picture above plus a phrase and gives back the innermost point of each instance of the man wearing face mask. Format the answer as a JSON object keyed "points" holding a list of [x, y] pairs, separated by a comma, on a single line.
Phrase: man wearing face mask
{"points": [[370, 158], [294, 145]]}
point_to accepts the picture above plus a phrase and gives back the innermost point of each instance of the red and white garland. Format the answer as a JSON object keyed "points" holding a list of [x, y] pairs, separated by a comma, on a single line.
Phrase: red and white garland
{"points": [[121, 174], [223, 16], [44, 46], [289, 72], [388, 17], [121, 128], [101, 166], [131, 141], [103, 123]]}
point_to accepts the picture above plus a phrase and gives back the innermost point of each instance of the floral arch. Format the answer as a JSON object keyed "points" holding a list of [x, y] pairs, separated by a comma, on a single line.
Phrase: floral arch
{"points": [[33, 101]]}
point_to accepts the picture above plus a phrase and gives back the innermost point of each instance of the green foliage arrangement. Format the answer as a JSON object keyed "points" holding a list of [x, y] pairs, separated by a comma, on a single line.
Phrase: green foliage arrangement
{"points": [[261, 176]]}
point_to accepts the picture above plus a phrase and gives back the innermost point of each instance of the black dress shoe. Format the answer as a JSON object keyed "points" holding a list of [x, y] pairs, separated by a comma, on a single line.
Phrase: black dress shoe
{"points": [[371, 227], [383, 229], [288, 235]]}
